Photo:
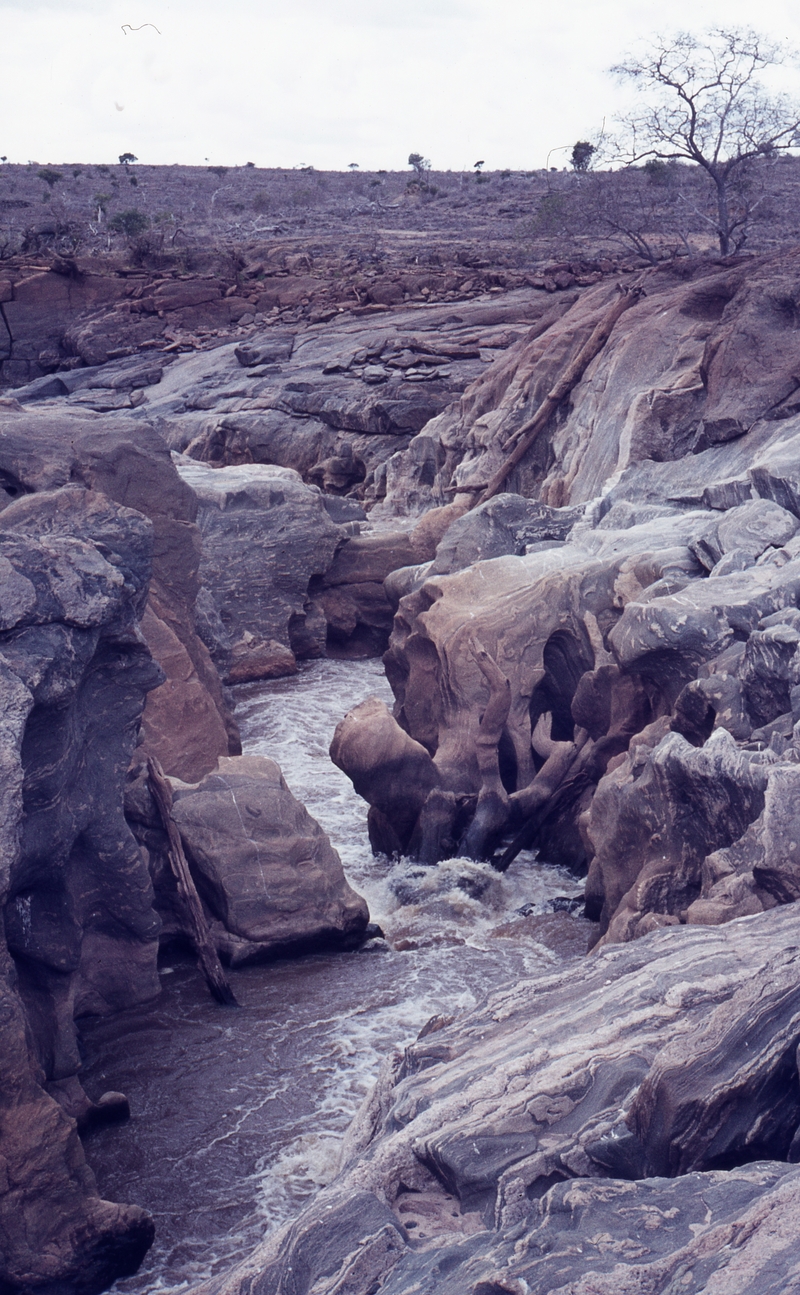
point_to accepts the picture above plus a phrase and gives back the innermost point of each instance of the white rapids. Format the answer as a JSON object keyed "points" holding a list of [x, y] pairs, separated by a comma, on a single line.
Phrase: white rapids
{"points": [[238, 1116]]}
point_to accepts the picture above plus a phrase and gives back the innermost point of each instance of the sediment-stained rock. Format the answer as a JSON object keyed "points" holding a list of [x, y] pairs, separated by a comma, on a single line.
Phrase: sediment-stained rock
{"points": [[645, 684]]}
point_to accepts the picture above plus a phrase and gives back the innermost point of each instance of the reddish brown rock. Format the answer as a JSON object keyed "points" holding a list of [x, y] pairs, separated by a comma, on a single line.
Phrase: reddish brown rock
{"points": [[266, 870], [129, 463]]}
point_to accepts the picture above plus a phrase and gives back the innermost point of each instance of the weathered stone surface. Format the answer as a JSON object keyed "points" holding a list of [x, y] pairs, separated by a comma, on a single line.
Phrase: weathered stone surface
{"points": [[266, 870], [541, 618], [39, 310], [655, 818], [334, 400], [668, 383], [729, 1091], [129, 463], [643, 873], [500, 1141], [264, 536], [505, 524], [77, 897], [388, 768]]}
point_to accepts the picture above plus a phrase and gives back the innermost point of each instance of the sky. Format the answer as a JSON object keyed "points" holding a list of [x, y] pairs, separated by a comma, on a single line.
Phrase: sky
{"points": [[325, 83]]}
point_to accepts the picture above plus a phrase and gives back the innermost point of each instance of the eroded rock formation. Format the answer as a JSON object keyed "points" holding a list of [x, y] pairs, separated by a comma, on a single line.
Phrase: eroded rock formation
{"points": [[187, 722], [77, 896], [602, 663], [517, 1148], [647, 637]]}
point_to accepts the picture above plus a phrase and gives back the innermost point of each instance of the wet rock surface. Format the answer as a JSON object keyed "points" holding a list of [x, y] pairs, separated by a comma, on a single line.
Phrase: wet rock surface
{"points": [[80, 931], [522, 1143]]}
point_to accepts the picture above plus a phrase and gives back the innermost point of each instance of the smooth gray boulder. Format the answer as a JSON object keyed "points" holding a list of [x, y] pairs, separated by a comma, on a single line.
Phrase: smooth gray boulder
{"points": [[264, 536]]}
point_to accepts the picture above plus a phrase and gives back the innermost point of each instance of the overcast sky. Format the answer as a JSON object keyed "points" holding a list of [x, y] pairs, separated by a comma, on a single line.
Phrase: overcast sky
{"points": [[328, 82]]}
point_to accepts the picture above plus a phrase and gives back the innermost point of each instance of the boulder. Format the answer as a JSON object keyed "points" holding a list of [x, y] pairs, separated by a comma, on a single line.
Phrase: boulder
{"points": [[679, 824], [358, 609], [265, 869], [264, 536], [541, 618]]}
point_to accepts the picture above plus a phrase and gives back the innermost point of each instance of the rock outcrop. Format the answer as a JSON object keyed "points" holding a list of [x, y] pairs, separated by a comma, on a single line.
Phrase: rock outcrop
{"points": [[620, 633], [519, 1148], [608, 701], [76, 894], [664, 386], [187, 723]]}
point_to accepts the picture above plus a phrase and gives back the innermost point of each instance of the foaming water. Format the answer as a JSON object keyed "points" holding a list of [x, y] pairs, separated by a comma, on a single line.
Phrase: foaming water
{"points": [[238, 1116]]}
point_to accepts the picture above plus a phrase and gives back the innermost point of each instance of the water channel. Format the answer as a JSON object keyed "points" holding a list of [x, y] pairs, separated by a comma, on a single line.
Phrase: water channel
{"points": [[237, 1116]]}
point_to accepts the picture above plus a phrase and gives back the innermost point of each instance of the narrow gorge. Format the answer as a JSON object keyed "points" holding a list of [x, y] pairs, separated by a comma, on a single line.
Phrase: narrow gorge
{"points": [[418, 668]]}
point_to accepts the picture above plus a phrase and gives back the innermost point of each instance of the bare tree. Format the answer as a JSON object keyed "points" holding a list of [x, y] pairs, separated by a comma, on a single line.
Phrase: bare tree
{"points": [[629, 209], [705, 103]]}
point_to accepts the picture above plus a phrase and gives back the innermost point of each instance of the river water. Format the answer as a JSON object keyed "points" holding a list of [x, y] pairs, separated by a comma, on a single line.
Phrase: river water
{"points": [[238, 1115]]}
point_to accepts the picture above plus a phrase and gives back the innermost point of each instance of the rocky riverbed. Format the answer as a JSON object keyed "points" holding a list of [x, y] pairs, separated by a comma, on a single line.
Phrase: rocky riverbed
{"points": [[566, 515]]}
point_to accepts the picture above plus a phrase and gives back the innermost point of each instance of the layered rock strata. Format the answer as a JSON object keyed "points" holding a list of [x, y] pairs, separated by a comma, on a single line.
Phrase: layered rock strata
{"points": [[679, 374], [614, 1125]]}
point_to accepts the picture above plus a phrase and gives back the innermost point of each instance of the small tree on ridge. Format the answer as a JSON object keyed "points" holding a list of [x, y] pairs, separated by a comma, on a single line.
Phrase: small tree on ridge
{"points": [[582, 154]]}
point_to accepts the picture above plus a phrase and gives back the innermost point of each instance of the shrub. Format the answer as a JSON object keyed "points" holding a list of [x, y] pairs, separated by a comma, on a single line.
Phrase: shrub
{"points": [[582, 154], [49, 175], [131, 223]]}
